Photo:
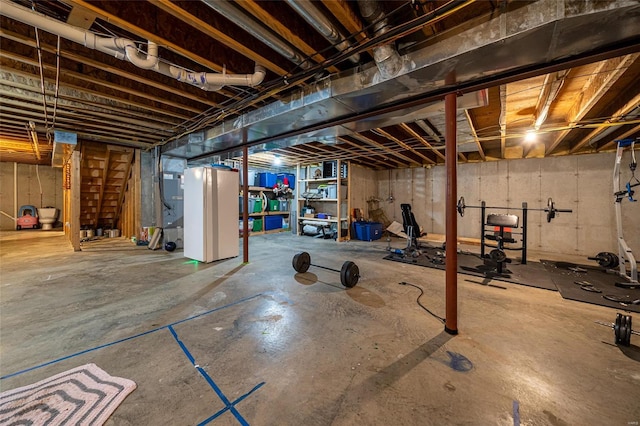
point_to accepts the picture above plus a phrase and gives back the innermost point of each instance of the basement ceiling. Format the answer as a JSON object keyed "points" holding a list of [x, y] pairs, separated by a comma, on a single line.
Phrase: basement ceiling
{"points": [[566, 72]]}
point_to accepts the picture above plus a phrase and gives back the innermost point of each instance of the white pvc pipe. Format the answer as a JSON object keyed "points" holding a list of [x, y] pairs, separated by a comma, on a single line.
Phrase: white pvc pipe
{"points": [[123, 49]]}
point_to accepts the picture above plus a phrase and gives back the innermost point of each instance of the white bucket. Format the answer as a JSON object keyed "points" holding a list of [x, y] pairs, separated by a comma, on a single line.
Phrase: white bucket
{"points": [[90, 233]]}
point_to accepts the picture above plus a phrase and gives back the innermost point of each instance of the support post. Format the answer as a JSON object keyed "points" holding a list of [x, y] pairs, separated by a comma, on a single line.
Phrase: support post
{"points": [[75, 200], [483, 223], [245, 199], [451, 158], [525, 209]]}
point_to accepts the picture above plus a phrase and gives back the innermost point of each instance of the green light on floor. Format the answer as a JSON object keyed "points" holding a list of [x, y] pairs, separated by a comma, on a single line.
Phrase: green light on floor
{"points": [[192, 262]]}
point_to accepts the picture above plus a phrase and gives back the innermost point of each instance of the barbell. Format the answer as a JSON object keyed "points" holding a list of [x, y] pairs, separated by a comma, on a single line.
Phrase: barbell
{"points": [[551, 209], [606, 259], [349, 273], [621, 329]]}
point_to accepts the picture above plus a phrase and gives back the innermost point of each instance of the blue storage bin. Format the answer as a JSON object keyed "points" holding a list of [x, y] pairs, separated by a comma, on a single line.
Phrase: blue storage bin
{"points": [[367, 231], [290, 177], [272, 222], [267, 180]]}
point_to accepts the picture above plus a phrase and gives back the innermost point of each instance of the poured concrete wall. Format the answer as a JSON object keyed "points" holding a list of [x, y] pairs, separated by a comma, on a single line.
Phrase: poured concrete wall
{"points": [[28, 189], [582, 183]]}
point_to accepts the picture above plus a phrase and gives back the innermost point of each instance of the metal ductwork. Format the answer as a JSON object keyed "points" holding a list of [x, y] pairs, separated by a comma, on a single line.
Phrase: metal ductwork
{"points": [[386, 56], [126, 49], [533, 35], [316, 19], [256, 29]]}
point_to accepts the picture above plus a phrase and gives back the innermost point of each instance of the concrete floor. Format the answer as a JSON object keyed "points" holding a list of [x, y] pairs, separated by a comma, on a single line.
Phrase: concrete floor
{"points": [[300, 347]]}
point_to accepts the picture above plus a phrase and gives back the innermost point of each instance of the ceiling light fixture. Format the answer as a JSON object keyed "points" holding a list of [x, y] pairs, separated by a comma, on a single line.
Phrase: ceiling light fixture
{"points": [[276, 160], [530, 136]]}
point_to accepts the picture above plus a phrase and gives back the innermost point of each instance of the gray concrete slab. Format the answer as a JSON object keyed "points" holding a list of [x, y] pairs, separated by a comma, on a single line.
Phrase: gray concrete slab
{"points": [[299, 349]]}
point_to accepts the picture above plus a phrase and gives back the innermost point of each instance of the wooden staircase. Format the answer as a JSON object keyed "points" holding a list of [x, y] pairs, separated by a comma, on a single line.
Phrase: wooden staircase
{"points": [[105, 171]]}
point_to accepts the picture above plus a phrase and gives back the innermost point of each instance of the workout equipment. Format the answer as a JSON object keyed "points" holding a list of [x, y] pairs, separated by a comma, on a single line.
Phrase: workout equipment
{"points": [[349, 273], [501, 225], [624, 251], [551, 209], [621, 329], [606, 259], [170, 246]]}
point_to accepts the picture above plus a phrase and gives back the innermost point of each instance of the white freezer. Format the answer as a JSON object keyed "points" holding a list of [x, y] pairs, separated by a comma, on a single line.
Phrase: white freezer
{"points": [[211, 213]]}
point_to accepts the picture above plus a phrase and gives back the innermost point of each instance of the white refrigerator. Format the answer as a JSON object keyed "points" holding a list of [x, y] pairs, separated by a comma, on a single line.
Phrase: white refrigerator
{"points": [[211, 213]]}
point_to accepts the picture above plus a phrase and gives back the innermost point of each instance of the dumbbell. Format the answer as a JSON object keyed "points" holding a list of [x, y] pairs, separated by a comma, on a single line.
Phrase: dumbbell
{"points": [[349, 273]]}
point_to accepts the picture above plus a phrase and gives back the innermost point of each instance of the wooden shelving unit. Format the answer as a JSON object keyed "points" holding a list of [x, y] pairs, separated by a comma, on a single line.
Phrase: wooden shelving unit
{"points": [[337, 207], [262, 194]]}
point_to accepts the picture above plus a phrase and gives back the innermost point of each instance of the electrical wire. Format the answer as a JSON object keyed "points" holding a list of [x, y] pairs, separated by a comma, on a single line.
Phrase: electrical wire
{"points": [[420, 304]]}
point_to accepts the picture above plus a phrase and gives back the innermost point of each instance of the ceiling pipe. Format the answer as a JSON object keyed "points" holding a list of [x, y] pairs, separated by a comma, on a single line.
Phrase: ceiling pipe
{"points": [[386, 56], [256, 29], [316, 19], [126, 49]]}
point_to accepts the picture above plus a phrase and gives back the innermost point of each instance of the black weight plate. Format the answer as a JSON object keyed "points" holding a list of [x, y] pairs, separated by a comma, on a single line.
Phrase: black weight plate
{"points": [[301, 262], [617, 328], [349, 274], [626, 340], [461, 206], [551, 210], [497, 256]]}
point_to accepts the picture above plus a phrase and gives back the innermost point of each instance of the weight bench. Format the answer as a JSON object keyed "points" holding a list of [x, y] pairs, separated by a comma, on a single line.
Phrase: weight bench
{"points": [[411, 227], [503, 224]]}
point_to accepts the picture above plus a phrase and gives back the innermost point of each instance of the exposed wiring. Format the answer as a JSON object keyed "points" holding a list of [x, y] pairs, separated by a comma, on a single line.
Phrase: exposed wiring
{"points": [[420, 304]]}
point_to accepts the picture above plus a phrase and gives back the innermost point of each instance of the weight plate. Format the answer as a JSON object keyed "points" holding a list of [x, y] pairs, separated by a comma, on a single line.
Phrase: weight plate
{"points": [[551, 210], [461, 206], [617, 328], [626, 341], [497, 255], [301, 262], [349, 274]]}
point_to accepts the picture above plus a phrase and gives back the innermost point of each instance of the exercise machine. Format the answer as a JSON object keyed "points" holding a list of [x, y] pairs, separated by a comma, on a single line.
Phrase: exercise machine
{"points": [[624, 251]]}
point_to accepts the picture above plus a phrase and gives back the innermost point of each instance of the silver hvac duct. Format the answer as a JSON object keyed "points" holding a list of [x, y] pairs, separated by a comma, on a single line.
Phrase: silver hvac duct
{"points": [[316, 19], [532, 35], [256, 29], [386, 56]]}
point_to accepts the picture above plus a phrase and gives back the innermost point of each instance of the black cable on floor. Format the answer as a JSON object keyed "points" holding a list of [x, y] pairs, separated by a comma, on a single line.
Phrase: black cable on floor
{"points": [[420, 304]]}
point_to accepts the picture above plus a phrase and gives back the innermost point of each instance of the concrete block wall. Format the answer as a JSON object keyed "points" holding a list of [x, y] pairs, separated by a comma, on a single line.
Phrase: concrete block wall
{"points": [[582, 183], [28, 189]]}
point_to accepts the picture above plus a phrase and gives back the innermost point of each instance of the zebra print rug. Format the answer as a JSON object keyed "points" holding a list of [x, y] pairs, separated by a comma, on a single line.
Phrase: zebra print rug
{"points": [[85, 395]]}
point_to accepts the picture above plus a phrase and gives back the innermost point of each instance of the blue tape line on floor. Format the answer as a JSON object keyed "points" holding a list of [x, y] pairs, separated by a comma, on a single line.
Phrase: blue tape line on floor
{"points": [[237, 401], [516, 413], [127, 338], [228, 405]]}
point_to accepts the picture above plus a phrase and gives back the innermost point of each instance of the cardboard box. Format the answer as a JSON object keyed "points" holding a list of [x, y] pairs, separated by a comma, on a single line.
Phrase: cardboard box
{"points": [[311, 215]]}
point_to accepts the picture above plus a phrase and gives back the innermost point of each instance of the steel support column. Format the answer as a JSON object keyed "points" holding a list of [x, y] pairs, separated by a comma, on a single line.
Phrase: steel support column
{"points": [[451, 159], [245, 198]]}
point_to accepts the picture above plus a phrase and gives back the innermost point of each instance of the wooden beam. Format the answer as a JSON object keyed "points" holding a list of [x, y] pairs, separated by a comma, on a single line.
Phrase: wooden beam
{"points": [[615, 117], [75, 200], [214, 33], [344, 15], [378, 145], [124, 189], [604, 76], [105, 175], [422, 140], [611, 144], [404, 145], [370, 151], [502, 121], [118, 88], [475, 136], [254, 8]]}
